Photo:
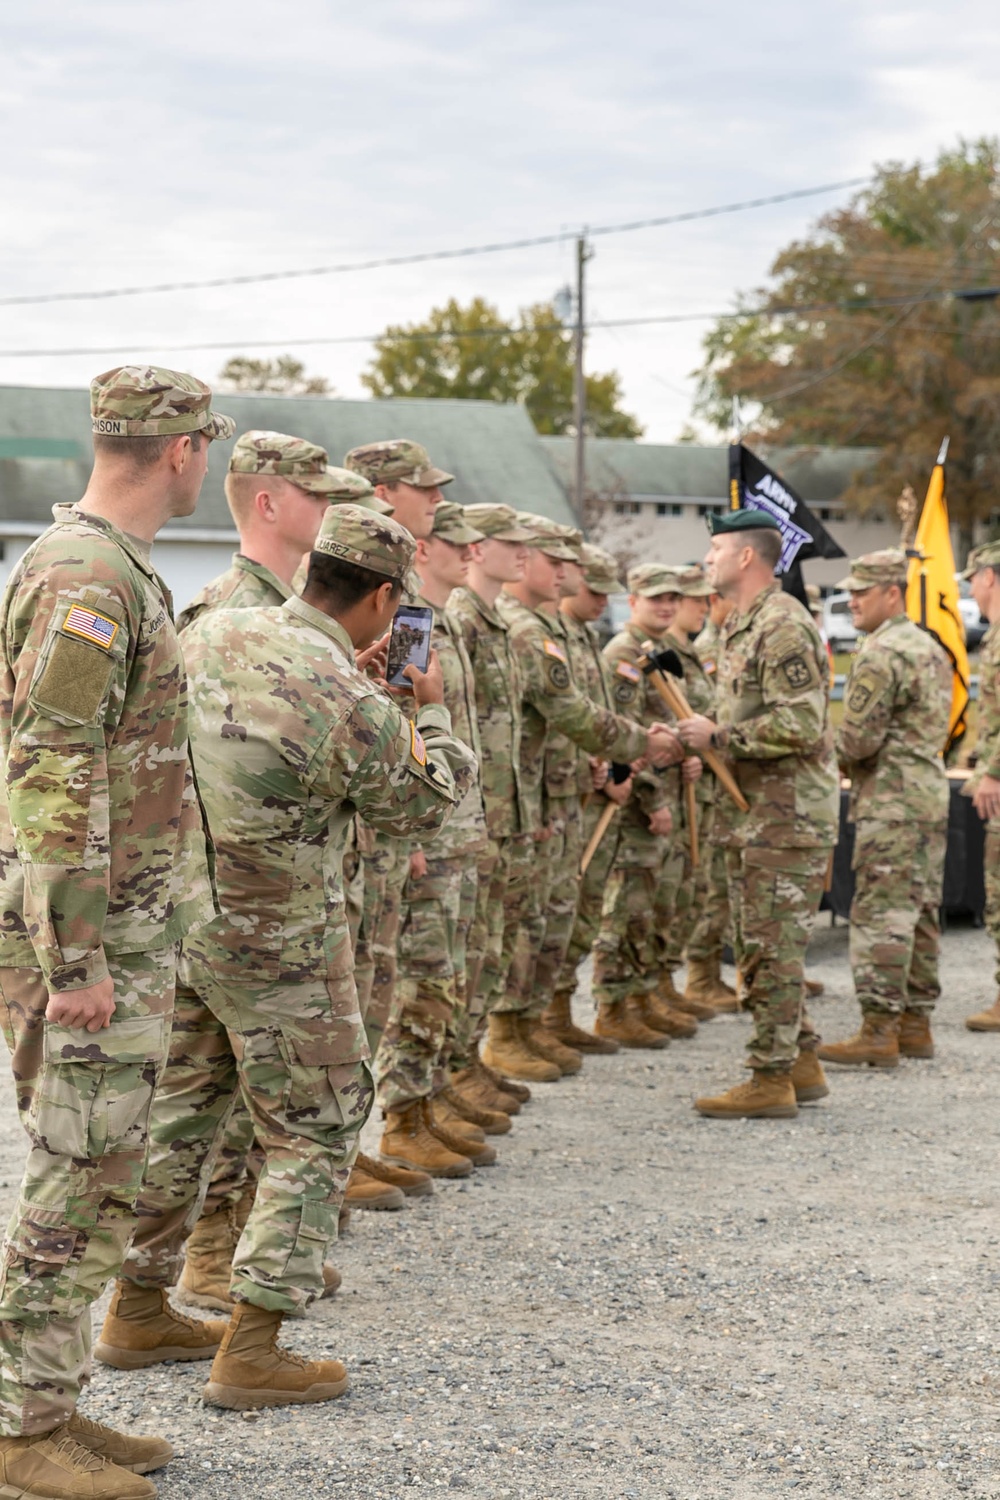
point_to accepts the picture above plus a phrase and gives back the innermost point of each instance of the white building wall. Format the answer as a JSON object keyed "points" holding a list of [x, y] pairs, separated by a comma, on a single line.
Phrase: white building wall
{"points": [[184, 566]]}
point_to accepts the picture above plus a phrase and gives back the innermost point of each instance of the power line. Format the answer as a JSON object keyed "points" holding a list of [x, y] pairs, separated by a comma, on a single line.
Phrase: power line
{"points": [[843, 306], [429, 255]]}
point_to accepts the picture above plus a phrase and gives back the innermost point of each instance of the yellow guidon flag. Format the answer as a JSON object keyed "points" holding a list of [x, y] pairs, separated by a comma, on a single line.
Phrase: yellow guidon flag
{"points": [[932, 593]]}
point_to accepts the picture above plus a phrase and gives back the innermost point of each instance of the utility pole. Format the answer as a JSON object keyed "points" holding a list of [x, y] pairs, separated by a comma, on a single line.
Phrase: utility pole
{"points": [[583, 254]]}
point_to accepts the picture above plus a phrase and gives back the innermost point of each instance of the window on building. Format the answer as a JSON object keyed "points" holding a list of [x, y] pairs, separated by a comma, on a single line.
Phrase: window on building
{"points": [[677, 510], [661, 508]]}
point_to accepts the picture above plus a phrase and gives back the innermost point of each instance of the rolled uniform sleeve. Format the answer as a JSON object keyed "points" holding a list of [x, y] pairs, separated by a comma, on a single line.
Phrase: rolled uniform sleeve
{"points": [[792, 716], [67, 692]]}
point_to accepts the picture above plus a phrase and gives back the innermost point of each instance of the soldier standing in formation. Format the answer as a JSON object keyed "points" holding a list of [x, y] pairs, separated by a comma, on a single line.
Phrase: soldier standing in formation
{"points": [[105, 872], [897, 704], [983, 573], [773, 722]]}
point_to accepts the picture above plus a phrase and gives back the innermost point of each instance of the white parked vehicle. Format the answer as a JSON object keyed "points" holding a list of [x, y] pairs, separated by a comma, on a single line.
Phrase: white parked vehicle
{"points": [[838, 627]]}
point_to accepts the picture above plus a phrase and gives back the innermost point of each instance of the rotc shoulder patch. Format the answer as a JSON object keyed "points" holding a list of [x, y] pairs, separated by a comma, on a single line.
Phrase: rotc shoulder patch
{"points": [[797, 671], [864, 689], [417, 747], [626, 683]]}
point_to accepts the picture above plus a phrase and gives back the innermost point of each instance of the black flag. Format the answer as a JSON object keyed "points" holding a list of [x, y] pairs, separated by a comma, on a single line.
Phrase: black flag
{"points": [[753, 486]]}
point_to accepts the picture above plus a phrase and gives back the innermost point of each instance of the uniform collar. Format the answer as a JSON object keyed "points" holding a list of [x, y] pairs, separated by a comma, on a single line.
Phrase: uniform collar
{"points": [[319, 621], [740, 621], [72, 515], [258, 570], [488, 611]]}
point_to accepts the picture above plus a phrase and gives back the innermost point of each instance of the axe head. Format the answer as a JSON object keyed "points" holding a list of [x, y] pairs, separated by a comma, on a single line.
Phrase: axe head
{"points": [[619, 772], [669, 661]]}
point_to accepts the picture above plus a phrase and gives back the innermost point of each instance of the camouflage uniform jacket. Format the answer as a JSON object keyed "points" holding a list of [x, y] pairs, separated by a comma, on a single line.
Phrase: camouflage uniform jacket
{"points": [[593, 676], [498, 706], [709, 646], [552, 701], [635, 695], [897, 707], [102, 845], [290, 739], [774, 698], [245, 585], [465, 831], [699, 689], [988, 763]]}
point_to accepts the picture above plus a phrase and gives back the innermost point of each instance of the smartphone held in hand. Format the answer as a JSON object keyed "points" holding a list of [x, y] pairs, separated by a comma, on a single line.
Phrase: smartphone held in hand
{"points": [[409, 642]]}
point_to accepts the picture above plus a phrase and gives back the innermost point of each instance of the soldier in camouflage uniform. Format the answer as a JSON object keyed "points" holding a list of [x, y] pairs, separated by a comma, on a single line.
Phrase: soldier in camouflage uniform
{"points": [[648, 860], [773, 720], [104, 871], [699, 921], [439, 901], [594, 785], [552, 704], [897, 708], [289, 739], [983, 573]]}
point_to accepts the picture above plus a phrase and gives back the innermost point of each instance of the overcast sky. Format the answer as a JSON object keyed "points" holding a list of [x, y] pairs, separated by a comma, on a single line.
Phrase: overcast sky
{"points": [[152, 141]]}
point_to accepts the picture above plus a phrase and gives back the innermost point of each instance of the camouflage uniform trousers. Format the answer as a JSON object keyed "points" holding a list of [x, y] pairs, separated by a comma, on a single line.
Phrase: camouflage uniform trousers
{"points": [[384, 932], [297, 1057], [559, 866], [84, 1100], [628, 953], [508, 984], [377, 858], [587, 919], [674, 899], [895, 931], [991, 862], [483, 951], [438, 908], [699, 923], [775, 894]]}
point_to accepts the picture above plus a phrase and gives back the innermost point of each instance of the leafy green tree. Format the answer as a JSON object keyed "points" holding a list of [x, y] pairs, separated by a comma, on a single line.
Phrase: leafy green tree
{"points": [[871, 353], [470, 352], [284, 376]]}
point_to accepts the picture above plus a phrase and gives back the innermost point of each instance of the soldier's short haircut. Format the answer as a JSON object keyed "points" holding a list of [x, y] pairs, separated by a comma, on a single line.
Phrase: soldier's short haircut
{"points": [[765, 542], [143, 452], [343, 584]]}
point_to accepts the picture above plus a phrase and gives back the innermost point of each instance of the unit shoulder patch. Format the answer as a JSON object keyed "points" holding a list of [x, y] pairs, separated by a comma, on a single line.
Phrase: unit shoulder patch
{"points": [[797, 671], [865, 688]]}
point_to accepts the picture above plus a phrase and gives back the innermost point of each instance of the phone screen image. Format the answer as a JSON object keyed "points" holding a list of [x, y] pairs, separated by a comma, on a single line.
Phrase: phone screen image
{"points": [[410, 642]]}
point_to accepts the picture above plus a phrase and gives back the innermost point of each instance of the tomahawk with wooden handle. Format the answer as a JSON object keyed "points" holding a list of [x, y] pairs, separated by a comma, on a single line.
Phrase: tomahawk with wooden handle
{"points": [[598, 833], [674, 698]]}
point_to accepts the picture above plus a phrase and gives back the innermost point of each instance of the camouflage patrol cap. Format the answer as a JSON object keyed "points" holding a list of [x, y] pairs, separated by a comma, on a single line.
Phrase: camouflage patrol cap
{"points": [[559, 542], [600, 570], [690, 581], [397, 460], [650, 579], [451, 525], [874, 568], [303, 464], [146, 401], [498, 522], [368, 540], [986, 555]]}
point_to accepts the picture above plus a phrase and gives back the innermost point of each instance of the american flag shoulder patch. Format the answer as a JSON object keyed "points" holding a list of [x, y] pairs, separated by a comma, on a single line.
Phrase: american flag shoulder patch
{"points": [[91, 626], [551, 649], [417, 747], [626, 669]]}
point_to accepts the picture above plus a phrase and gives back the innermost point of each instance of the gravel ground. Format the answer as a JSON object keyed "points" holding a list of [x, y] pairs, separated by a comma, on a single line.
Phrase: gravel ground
{"points": [[636, 1302]]}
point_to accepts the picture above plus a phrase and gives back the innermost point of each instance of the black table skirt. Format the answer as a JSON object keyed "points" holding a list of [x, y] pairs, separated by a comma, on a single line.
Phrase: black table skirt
{"points": [[964, 889]]}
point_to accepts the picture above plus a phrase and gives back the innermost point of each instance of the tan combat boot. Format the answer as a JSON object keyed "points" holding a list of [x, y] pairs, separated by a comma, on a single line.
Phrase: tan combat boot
{"points": [[622, 1021], [141, 1328], [476, 1085], [915, 1038], [506, 1051], [876, 1045], [548, 1046], [689, 1004], [808, 1078], [520, 1091], [407, 1142], [367, 1191], [558, 1020], [251, 1370], [411, 1183], [460, 1137], [57, 1466], [659, 1016], [140, 1455], [768, 1096], [985, 1020], [706, 986], [449, 1103]]}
